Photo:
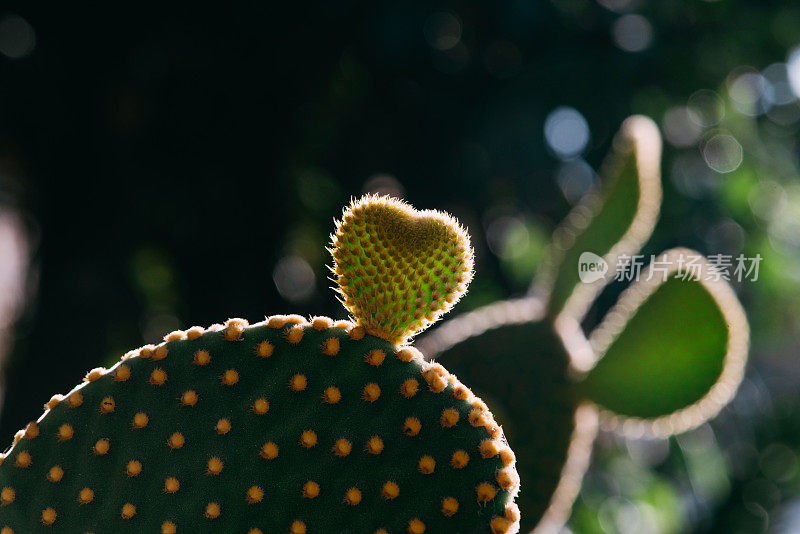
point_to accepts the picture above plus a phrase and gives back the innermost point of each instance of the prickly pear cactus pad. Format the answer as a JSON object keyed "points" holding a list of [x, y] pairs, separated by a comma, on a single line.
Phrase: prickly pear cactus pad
{"points": [[286, 425], [399, 269]]}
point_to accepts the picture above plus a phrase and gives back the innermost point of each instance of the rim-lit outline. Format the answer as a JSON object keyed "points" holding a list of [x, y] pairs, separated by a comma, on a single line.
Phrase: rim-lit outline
{"points": [[579, 456], [626, 307], [640, 135], [477, 322]]}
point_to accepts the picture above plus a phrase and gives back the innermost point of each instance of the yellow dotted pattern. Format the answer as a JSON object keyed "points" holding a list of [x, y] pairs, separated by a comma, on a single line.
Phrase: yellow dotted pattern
{"points": [[460, 459], [133, 468], [332, 395], [24, 460], [223, 426], [32, 430], [255, 494], [49, 516], [65, 432], [261, 406], [390, 490], [7, 495], [310, 489], [86, 495], [189, 397], [449, 506], [176, 441], [172, 485], [269, 451], [128, 510], [432, 379], [374, 445], [55, 474], [101, 446]]}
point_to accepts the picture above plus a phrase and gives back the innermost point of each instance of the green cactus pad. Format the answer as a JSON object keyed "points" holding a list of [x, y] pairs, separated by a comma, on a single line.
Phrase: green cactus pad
{"points": [[677, 341], [287, 425], [211, 424], [399, 269]]}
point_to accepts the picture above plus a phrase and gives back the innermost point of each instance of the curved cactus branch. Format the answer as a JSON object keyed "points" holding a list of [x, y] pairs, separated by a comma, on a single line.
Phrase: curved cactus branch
{"points": [[607, 221], [478, 322], [727, 364], [578, 457]]}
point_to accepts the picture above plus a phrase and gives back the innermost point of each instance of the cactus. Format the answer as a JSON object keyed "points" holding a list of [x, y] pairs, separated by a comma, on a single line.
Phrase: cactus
{"points": [[667, 357], [286, 425]]}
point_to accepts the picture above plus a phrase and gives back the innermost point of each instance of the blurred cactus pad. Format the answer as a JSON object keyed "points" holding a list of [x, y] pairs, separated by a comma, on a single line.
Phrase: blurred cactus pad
{"points": [[286, 425], [667, 357]]}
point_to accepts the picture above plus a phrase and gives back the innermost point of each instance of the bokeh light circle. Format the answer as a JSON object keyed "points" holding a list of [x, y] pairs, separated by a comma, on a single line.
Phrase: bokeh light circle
{"points": [[566, 132], [632, 33], [723, 153], [17, 38], [294, 278]]}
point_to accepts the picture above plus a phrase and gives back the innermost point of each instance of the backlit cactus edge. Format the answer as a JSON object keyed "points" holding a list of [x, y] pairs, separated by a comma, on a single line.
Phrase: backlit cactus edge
{"points": [[286, 425], [667, 357]]}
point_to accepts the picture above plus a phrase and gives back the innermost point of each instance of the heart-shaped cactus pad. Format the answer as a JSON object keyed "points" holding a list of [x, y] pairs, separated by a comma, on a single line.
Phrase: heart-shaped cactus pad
{"points": [[399, 269]]}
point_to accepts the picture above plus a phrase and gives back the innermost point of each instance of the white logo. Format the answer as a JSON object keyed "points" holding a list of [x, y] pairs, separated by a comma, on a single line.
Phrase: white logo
{"points": [[591, 267]]}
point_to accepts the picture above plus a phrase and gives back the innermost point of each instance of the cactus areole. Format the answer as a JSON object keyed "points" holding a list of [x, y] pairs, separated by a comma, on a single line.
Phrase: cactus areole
{"points": [[287, 425]]}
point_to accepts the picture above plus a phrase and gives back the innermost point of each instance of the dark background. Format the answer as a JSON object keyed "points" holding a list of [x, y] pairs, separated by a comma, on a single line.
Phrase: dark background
{"points": [[166, 162]]}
